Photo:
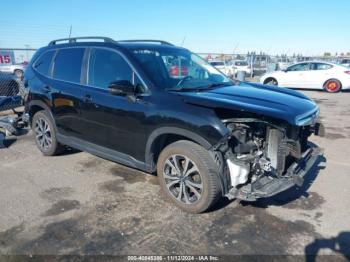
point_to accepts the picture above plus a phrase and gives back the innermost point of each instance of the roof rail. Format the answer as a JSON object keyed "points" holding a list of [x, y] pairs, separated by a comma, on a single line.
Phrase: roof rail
{"points": [[74, 39], [146, 41]]}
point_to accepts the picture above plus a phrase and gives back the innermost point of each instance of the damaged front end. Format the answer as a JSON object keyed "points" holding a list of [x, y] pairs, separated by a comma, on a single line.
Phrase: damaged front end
{"points": [[260, 158]]}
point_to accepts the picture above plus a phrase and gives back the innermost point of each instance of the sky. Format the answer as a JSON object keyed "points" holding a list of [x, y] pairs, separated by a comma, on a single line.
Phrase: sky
{"points": [[204, 26]]}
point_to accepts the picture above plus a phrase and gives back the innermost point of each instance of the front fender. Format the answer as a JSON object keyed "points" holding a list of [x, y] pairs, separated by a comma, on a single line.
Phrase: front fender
{"points": [[172, 131]]}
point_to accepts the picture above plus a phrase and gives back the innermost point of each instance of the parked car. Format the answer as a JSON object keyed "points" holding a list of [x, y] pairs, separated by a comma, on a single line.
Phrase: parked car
{"points": [[241, 65], [283, 63], [311, 75], [16, 69], [204, 135], [224, 67], [344, 62]]}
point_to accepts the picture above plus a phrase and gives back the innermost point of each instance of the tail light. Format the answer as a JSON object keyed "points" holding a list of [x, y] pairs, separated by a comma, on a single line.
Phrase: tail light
{"points": [[347, 72]]}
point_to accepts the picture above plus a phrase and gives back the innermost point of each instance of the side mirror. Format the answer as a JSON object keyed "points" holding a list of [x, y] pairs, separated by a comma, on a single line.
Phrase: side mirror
{"points": [[121, 88]]}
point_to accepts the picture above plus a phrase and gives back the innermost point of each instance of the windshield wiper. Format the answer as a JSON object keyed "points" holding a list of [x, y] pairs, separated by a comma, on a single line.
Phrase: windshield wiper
{"points": [[199, 88], [218, 85]]}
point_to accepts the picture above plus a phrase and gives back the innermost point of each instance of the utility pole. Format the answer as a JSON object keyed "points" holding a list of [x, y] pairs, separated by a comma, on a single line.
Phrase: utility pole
{"points": [[183, 41], [70, 31], [27, 55]]}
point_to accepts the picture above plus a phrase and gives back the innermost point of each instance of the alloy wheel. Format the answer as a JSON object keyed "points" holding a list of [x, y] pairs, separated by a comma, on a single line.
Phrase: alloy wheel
{"points": [[182, 179], [332, 86], [43, 134]]}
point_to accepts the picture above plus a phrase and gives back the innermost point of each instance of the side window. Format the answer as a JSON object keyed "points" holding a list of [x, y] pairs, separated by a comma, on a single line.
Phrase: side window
{"points": [[321, 66], [299, 67], [107, 66], [68, 64], [44, 62]]}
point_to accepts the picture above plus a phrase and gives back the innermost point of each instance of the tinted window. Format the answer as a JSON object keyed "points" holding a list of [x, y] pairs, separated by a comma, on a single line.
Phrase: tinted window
{"points": [[321, 66], [44, 62], [68, 64], [299, 67], [107, 66]]}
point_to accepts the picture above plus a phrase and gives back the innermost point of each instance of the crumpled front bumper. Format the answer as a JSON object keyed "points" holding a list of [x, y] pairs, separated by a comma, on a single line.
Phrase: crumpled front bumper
{"points": [[267, 186]]}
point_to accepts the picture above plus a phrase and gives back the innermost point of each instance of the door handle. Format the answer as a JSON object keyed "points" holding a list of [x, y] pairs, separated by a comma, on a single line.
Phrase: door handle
{"points": [[87, 99]]}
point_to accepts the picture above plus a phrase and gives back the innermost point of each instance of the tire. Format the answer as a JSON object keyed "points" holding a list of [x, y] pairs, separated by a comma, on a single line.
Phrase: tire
{"points": [[271, 81], [332, 86], [45, 134], [201, 186], [18, 73]]}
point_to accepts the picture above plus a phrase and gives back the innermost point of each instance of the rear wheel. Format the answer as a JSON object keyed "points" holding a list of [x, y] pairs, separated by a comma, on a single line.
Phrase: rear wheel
{"points": [[45, 135], [188, 176], [18, 73], [332, 86], [271, 81]]}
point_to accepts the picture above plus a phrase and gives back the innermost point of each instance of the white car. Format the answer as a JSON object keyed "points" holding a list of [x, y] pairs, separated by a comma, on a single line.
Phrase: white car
{"points": [[241, 65], [311, 75], [223, 67], [16, 69]]}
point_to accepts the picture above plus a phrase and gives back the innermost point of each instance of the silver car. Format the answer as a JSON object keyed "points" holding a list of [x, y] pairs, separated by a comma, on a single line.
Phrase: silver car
{"points": [[16, 69]]}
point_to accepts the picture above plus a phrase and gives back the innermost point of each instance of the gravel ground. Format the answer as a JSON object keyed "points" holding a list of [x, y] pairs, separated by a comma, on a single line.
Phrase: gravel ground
{"points": [[81, 204]]}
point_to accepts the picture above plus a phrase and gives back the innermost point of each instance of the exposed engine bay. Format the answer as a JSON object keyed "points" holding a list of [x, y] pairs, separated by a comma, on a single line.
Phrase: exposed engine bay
{"points": [[260, 158]]}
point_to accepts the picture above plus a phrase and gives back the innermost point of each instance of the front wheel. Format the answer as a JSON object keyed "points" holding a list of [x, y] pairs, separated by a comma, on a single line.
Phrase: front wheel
{"points": [[271, 82], [188, 176]]}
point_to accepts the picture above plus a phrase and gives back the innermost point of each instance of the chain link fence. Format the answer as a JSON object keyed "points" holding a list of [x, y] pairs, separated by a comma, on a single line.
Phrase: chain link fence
{"points": [[261, 63], [13, 63]]}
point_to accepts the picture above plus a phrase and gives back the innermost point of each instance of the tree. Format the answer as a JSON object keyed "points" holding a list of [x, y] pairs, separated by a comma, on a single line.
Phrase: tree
{"points": [[327, 54]]}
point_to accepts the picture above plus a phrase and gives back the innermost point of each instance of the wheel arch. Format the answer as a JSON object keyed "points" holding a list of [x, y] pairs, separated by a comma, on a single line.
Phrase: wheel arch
{"points": [[164, 136], [36, 106]]}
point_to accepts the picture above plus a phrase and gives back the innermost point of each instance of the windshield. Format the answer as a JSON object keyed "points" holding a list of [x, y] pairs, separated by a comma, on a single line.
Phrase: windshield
{"points": [[178, 69]]}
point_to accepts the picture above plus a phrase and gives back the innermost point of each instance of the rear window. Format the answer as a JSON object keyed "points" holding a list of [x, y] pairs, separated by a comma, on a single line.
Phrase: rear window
{"points": [[321, 66], [42, 65], [68, 64]]}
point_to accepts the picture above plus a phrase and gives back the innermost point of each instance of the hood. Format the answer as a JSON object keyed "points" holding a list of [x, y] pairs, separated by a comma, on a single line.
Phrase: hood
{"points": [[276, 102]]}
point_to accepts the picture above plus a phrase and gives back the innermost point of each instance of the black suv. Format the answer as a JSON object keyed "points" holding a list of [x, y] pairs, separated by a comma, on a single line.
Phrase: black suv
{"points": [[159, 108]]}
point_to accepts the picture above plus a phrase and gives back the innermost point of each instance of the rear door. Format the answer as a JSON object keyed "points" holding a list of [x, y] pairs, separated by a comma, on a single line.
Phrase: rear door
{"points": [[67, 91], [319, 74]]}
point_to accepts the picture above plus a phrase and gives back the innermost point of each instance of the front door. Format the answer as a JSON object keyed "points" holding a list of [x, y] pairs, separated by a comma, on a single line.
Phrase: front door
{"points": [[112, 121], [295, 76]]}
